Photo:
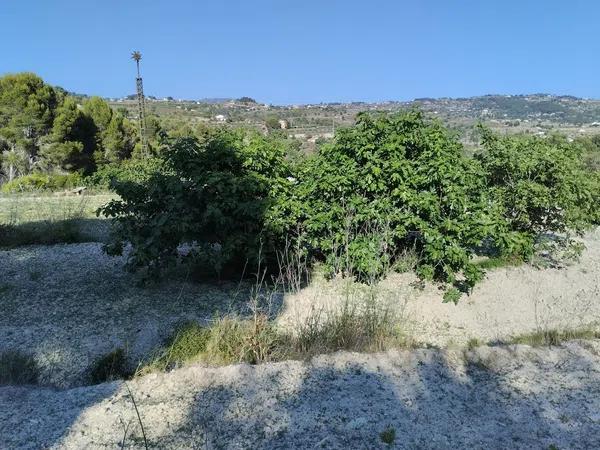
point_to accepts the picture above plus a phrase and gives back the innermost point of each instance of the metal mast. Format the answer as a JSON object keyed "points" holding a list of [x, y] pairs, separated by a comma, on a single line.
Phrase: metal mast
{"points": [[137, 56]]}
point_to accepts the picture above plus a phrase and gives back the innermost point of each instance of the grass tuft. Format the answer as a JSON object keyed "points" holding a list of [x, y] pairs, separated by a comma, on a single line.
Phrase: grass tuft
{"points": [[553, 337], [388, 436], [110, 367], [498, 262], [361, 327], [226, 340], [17, 368]]}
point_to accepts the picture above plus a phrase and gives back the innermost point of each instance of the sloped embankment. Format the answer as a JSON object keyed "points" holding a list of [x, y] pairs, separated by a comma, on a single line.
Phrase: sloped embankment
{"points": [[490, 397]]}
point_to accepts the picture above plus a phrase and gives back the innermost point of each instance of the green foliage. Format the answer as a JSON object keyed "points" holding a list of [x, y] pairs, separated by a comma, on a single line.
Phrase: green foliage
{"points": [[392, 184], [541, 185], [496, 262], [98, 110], [27, 107], [246, 100], [391, 192], [17, 368], [227, 340], [133, 170], [42, 127], [112, 366], [272, 122], [217, 195], [42, 182], [452, 295]]}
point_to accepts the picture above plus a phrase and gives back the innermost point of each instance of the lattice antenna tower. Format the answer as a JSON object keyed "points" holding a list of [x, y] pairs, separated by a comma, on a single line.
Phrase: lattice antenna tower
{"points": [[137, 56]]}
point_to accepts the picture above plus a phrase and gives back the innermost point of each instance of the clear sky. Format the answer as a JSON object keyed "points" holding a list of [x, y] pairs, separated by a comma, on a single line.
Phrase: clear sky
{"points": [[301, 51]]}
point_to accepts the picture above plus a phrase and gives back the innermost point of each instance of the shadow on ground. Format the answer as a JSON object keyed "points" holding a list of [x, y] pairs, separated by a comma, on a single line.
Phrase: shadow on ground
{"points": [[514, 397]]}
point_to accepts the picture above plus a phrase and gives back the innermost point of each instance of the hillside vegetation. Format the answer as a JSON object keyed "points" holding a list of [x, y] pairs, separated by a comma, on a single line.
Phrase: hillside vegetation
{"points": [[391, 187]]}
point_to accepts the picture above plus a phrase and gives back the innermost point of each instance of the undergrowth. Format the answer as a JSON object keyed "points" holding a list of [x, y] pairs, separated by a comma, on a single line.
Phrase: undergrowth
{"points": [[41, 233], [359, 324]]}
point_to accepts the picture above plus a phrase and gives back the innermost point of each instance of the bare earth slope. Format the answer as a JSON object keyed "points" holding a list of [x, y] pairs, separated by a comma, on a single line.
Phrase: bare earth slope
{"points": [[69, 304], [492, 397]]}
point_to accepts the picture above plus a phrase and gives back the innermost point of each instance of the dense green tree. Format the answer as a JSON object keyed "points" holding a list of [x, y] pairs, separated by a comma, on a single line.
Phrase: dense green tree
{"points": [[27, 107], [100, 112], [72, 139], [117, 142]]}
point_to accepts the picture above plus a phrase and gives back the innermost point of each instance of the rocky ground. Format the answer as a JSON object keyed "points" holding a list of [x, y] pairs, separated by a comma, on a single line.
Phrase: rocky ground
{"points": [[490, 397]]}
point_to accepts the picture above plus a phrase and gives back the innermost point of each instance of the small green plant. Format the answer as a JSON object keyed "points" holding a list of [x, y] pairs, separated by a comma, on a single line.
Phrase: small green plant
{"points": [[452, 295], [17, 368], [497, 262], [227, 340], [220, 192], [388, 436], [110, 367], [35, 182], [187, 342]]}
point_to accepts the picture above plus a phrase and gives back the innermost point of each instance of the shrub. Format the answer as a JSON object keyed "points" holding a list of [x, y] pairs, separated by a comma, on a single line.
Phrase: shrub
{"points": [[133, 170], [17, 368], [389, 185], [360, 323], [541, 185], [218, 195], [43, 182]]}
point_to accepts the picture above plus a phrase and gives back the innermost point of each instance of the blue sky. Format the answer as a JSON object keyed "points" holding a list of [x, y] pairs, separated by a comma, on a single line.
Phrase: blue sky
{"points": [[307, 50]]}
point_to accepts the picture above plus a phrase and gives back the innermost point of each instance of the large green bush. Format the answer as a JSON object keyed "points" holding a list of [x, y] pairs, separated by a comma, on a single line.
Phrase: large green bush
{"points": [[389, 191], [540, 184], [217, 195], [392, 184], [134, 170]]}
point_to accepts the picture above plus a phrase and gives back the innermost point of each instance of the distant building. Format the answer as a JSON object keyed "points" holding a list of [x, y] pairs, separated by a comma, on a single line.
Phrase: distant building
{"points": [[220, 118]]}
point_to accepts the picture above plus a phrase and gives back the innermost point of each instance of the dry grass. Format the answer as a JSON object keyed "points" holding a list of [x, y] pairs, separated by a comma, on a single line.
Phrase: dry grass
{"points": [[361, 323], [46, 219], [553, 337], [17, 209]]}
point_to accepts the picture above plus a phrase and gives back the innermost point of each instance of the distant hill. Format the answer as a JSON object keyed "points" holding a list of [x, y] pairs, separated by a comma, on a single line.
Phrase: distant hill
{"points": [[562, 109]]}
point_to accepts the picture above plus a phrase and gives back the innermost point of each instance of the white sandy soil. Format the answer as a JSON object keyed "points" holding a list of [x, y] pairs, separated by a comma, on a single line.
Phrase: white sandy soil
{"points": [[489, 398]]}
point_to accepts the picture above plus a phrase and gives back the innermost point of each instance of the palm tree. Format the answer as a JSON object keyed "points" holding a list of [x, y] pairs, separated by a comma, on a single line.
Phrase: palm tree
{"points": [[137, 56]]}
